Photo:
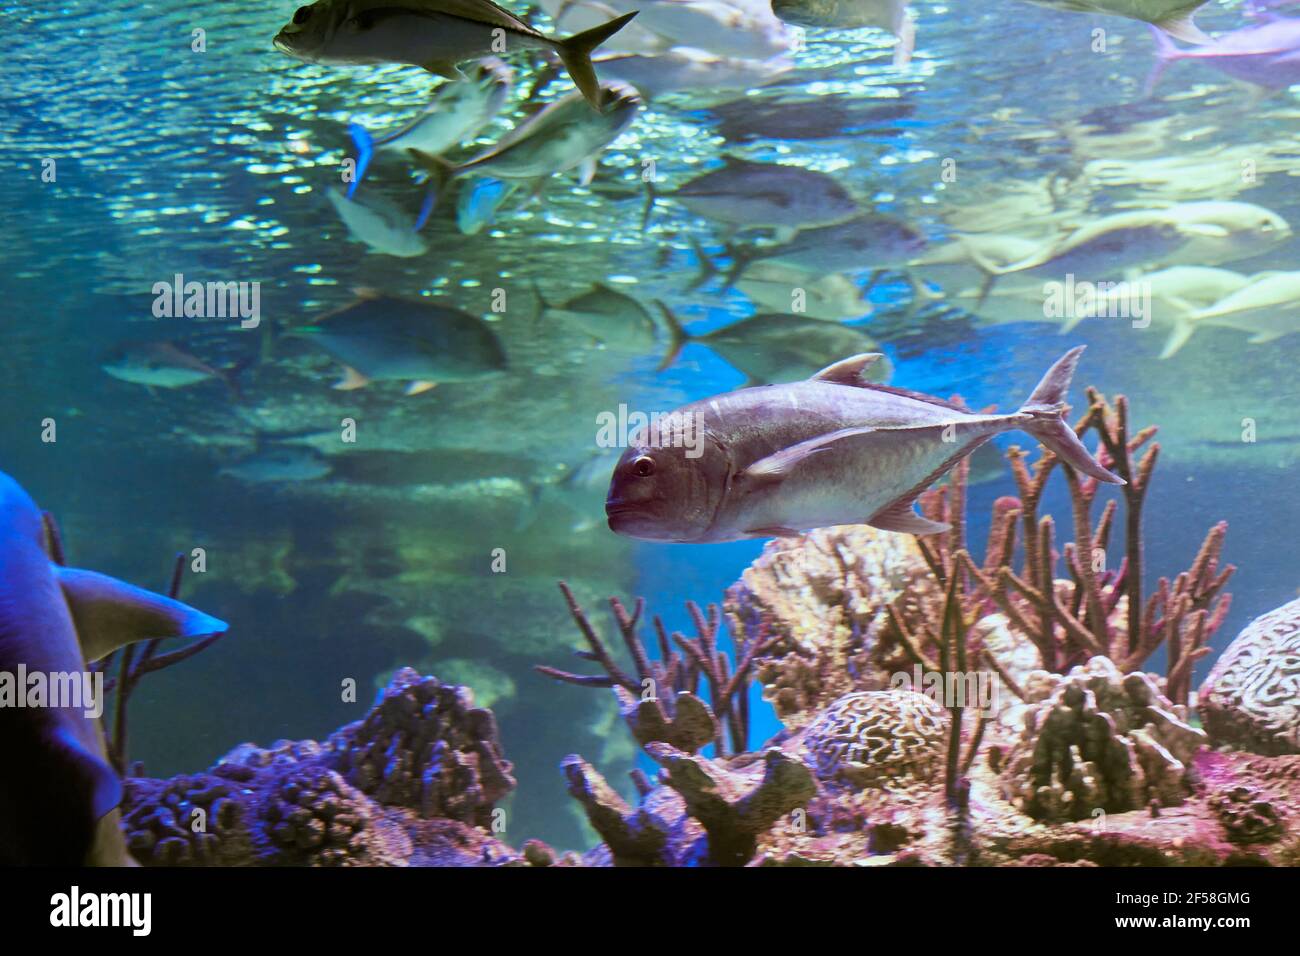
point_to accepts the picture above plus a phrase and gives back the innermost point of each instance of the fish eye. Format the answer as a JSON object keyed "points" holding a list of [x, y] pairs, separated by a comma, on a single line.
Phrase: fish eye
{"points": [[644, 466], [302, 15]]}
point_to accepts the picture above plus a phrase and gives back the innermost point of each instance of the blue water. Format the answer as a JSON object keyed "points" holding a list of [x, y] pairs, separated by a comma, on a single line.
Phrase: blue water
{"points": [[214, 165]]}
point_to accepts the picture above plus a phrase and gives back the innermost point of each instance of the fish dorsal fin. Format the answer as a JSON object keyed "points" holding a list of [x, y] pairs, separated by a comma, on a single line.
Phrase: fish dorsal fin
{"points": [[477, 11], [109, 613], [848, 371]]}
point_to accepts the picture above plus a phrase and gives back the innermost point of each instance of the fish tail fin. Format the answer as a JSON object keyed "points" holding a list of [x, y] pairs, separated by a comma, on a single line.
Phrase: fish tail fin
{"points": [[543, 306], [677, 336], [741, 259], [905, 30], [1046, 408], [708, 268], [575, 52], [365, 145], [441, 172], [1180, 26], [1166, 52], [649, 208]]}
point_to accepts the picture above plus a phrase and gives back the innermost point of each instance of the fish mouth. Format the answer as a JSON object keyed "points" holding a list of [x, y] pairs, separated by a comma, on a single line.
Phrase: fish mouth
{"points": [[281, 42]]}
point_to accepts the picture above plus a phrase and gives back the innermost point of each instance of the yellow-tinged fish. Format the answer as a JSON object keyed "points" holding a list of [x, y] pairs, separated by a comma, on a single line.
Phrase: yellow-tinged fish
{"points": [[434, 34]]}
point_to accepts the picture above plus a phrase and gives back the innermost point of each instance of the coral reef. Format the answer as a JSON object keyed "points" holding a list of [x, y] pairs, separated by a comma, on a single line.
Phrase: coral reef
{"points": [[412, 783], [426, 747], [1096, 739], [1251, 698]]}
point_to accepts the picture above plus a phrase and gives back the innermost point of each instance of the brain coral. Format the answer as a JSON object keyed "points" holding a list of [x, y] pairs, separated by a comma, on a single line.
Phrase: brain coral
{"points": [[1251, 699], [869, 738], [1096, 739]]}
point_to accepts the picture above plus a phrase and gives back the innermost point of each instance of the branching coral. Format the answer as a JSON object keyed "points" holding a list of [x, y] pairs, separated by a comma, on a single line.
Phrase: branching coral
{"points": [[661, 704]]}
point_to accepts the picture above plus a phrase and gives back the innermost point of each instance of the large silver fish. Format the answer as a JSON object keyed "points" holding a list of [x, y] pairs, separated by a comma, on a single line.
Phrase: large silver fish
{"points": [[831, 450], [434, 34], [58, 792], [1174, 17]]}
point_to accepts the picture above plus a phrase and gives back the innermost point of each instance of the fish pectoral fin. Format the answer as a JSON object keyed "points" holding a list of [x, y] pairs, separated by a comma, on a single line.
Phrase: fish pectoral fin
{"points": [[415, 388], [848, 371], [587, 171], [1177, 338], [900, 517], [109, 613], [352, 379], [445, 68], [88, 772], [777, 467]]}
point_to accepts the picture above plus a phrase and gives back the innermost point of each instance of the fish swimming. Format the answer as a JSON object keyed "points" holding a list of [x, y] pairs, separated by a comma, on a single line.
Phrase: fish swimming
{"points": [[1266, 305], [869, 241], [1173, 17], [684, 70], [279, 463], [386, 338], [744, 194], [165, 365], [59, 793], [776, 287], [830, 450], [379, 223], [563, 136], [433, 34], [609, 316], [770, 348], [1266, 54], [891, 15], [457, 113]]}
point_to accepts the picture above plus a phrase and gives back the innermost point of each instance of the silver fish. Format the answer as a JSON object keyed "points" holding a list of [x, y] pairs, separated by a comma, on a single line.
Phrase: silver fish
{"points": [[607, 315], [891, 15], [769, 347], [279, 463], [379, 223], [827, 451], [563, 136], [163, 365], [1171, 16], [386, 338], [456, 114], [434, 34], [745, 194]]}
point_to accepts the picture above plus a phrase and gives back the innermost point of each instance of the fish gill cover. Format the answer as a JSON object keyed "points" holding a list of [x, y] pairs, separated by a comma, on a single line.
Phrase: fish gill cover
{"points": [[383, 326]]}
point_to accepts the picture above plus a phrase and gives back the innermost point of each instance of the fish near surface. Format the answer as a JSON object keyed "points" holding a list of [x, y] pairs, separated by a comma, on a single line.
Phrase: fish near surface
{"points": [[745, 194], [379, 223], [891, 15], [563, 136], [164, 365], [59, 793], [386, 338], [1267, 305], [768, 348], [434, 34], [607, 315], [1173, 17], [1267, 54], [781, 459], [870, 241], [458, 112]]}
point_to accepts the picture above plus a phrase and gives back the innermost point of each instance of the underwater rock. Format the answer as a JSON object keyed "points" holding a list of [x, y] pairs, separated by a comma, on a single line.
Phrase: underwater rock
{"points": [[823, 596], [1251, 698], [413, 783], [426, 747], [873, 738], [1098, 740]]}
